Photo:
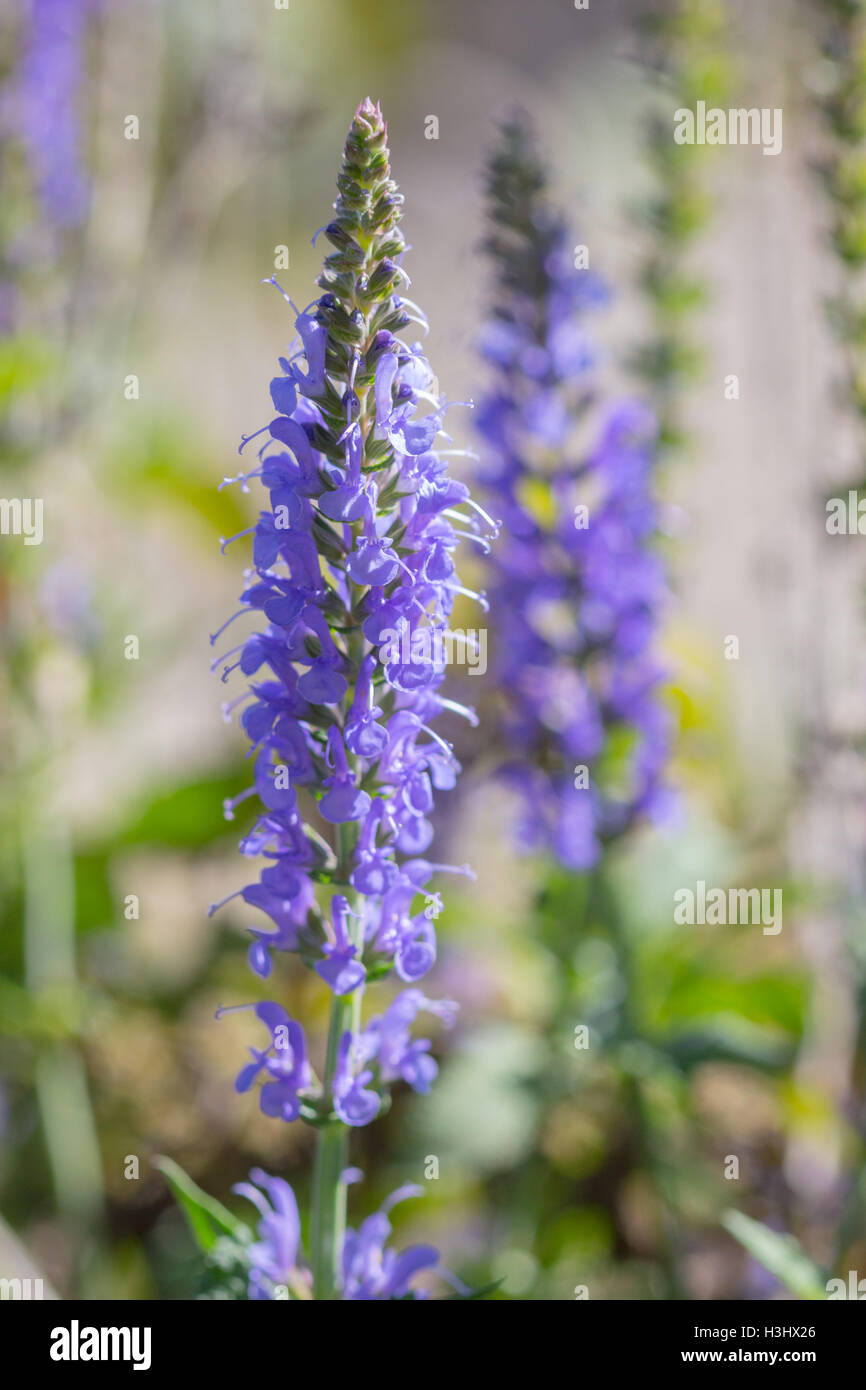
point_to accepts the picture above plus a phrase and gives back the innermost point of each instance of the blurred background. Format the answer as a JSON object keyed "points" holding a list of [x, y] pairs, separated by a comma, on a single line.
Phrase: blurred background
{"points": [[158, 161]]}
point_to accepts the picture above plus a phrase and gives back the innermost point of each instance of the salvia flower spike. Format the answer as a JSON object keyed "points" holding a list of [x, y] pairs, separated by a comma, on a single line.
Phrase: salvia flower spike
{"points": [[42, 104], [353, 551], [575, 582]]}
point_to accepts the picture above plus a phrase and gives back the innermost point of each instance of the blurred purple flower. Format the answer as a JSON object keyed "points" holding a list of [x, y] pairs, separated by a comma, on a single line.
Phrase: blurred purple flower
{"points": [[43, 104], [575, 582]]}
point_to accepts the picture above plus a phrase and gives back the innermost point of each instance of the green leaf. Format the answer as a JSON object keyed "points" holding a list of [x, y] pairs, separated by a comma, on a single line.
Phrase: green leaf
{"points": [[781, 1255], [186, 817], [208, 1219], [731, 1041]]}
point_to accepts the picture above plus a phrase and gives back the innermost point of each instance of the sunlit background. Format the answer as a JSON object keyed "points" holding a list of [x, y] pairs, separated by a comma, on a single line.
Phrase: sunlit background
{"points": [[137, 345]]}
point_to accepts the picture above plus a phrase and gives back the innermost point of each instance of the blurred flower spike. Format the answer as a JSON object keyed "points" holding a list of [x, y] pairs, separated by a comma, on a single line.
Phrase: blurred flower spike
{"points": [[575, 581]]}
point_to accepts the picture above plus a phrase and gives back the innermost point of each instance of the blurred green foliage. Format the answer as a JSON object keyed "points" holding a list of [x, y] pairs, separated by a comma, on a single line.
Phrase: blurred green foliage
{"points": [[686, 41]]}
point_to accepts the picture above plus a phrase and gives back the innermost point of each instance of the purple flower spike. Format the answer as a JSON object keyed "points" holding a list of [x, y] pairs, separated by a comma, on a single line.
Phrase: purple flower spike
{"points": [[42, 106], [354, 566], [575, 582], [353, 580]]}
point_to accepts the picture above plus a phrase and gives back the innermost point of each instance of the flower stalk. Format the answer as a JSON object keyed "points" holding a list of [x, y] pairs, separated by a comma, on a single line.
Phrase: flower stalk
{"points": [[354, 549], [328, 1216], [329, 1200]]}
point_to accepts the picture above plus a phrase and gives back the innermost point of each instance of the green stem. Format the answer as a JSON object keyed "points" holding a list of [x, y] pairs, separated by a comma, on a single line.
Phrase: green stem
{"points": [[329, 1192], [332, 1144], [650, 1149], [61, 1085]]}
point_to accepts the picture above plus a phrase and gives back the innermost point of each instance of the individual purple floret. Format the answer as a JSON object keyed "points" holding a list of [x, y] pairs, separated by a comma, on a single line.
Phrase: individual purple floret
{"points": [[395, 1055], [274, 1259], [282, 1066], [373, 1271], [574, 582]]}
